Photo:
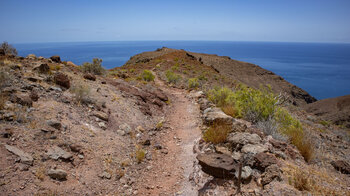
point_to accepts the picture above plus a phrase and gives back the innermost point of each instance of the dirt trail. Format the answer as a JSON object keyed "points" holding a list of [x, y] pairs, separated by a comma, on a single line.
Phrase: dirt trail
{"points": [[172, 166]]}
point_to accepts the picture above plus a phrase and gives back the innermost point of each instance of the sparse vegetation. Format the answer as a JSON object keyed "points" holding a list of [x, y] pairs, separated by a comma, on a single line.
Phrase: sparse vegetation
{"points": [[193, 83], [8, 49], [81, 93], [172, 77], [147, 76], [95, 67], [217, 133], [140, 154], [40, 173], [300, 181], [262, 108]]}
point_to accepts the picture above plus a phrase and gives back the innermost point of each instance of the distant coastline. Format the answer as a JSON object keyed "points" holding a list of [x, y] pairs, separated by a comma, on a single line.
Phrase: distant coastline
{"points": [[322, 69]]}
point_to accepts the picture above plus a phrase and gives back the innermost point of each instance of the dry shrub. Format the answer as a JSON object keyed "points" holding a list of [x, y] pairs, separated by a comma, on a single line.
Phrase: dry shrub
{"points": [[140, 154], [3, 100], [81, 93], [229, 110], [301, 181], [304, 145], [40, 173], [217, 133]]}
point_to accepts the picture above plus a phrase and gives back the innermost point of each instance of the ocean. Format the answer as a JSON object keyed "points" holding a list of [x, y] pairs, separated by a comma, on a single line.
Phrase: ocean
{"points": [[322, 69]]}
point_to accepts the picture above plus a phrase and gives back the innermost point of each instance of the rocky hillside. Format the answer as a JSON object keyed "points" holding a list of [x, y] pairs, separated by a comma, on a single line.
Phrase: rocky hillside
{"points": [[219, 70], [150, 128], [333, 110]]}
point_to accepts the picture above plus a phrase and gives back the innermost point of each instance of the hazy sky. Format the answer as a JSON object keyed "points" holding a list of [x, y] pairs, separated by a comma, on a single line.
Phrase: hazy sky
{"points": [[236, 20]]}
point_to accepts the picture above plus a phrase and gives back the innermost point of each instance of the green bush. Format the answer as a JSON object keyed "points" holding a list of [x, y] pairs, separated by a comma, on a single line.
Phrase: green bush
{"points": [[219, 96], [95, 67], [260, 107], [172, 77], [147, 75], [193, 83]]}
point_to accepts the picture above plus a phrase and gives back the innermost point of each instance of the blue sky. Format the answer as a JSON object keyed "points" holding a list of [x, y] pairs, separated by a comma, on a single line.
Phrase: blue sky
{"points": [[232, 20]]}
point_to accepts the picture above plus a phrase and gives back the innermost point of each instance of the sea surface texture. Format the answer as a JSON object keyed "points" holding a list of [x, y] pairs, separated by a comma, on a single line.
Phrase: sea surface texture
{"points": [[322, 69]]}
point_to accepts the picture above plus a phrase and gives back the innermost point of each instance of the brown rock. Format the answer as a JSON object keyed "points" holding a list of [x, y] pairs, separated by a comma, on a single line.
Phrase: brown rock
{"points": [[43, 68], [218, 165], [271, 173], [22, 99], [341, 166], [101, 115], [89, 76], [34, 96], [57, 174], [56, 59], [76, 148], [264, 160], [62, 80]]}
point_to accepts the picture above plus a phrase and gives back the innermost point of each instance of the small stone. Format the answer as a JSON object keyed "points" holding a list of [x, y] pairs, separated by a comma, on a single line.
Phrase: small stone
{"points": [[81, 156], [105, 175], [76, 148], [101, 115], [54, 124], [102, 125], [56, 153], [246, 173], [57, 174], [120, 132], [125, 127], [89, 76]]}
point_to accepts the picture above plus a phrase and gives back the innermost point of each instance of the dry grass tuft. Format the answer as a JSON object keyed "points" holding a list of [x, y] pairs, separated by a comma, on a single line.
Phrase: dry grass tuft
{"points": [[217, 133], [140, 154], [230, 110], [40, 173]]}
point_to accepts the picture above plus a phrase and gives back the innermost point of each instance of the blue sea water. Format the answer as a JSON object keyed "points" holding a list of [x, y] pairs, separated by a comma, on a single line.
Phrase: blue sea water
{"points": [[322, 69]]}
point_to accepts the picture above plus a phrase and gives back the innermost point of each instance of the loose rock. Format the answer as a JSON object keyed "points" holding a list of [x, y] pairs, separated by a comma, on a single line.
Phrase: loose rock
{"points": [[217, 165], [25, 158], [56, 153], [57, 174]]}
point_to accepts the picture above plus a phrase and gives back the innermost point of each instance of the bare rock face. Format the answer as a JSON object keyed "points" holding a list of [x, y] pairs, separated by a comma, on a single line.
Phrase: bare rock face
{"points": [[56, 59], [341, 166], [25, 157], [62, 80], [217, 165], [254, 149], [216, 115], [90, 76], [57, 174]]}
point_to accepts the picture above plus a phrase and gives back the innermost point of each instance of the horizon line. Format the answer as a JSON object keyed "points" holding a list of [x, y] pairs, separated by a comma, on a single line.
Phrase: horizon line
{"points": [[59, 42]]}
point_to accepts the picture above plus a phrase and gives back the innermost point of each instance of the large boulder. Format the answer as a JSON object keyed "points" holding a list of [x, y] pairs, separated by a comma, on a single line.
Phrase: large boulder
{"points": [[25, 158], [218, 165], [216, 115], [56, 59], [62, 80]]}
